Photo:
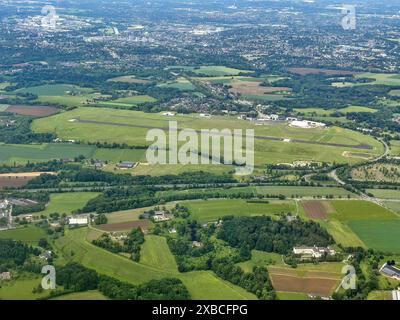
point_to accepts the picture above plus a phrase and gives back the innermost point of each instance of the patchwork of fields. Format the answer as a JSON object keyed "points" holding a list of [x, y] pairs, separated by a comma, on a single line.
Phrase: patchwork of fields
{"points": [[362, 223]]}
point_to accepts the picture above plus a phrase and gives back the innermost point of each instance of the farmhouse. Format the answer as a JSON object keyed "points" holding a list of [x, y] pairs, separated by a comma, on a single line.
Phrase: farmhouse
{"points": [[78, 221], [125, 165], [315, 252], [305, 124], [390, 271], [161, 216], [5, 276]]}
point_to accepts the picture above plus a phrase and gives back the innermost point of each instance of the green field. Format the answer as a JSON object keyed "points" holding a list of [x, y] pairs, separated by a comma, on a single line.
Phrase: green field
{"points": [[128, 101], [67, 202], [385, 193], [360, 210], [292, 296], [155, 252], [117, 155], [303, 191], [29, 234], [201, 284], [363, 223], [131, 127], [387, 79], [211, 210], [261, 259], [86, 295], [395, 148], [380, 295], [379, 235], [181, 84], [393, 205], [55, 90], [44, 152], [21, 289]]}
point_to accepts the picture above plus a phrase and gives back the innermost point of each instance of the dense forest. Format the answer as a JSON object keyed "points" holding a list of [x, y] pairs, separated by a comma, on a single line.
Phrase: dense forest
{"points": [[265, 234], [75, 278]]}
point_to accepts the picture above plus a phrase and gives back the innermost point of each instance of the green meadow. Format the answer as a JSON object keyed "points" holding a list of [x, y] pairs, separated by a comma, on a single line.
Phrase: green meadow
{"points": [[55, 90], [385, 193], [155, 252], [181, 84], [67, 202], [212, 210], [131, 127], [202, 285], [21, 289], [363, 223], [40, 153], [379, 235], [212, 71], [29, 234]]}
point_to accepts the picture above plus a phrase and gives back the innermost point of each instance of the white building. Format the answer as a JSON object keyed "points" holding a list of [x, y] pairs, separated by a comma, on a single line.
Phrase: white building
{"points": [[305, 124], [78, 221], [315, 252], [396, 294]]}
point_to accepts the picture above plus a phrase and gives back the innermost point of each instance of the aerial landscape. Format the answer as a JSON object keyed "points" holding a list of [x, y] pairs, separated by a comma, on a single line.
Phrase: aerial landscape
{"points": [[199, 150]]}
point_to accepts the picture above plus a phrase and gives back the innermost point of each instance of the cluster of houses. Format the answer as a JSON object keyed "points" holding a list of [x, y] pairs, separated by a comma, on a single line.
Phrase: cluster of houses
{"points": [[315, 252]]}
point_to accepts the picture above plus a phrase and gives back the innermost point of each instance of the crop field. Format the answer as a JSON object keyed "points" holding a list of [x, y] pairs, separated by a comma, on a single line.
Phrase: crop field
{"points": [[18, 179], [317, 209], [201, 284], [131, 127], [10, 153], [380, 295], [30, 234], [212, 210], [155, 252], [320, 283], [34, 111], [67, 202], [379, 235]]}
